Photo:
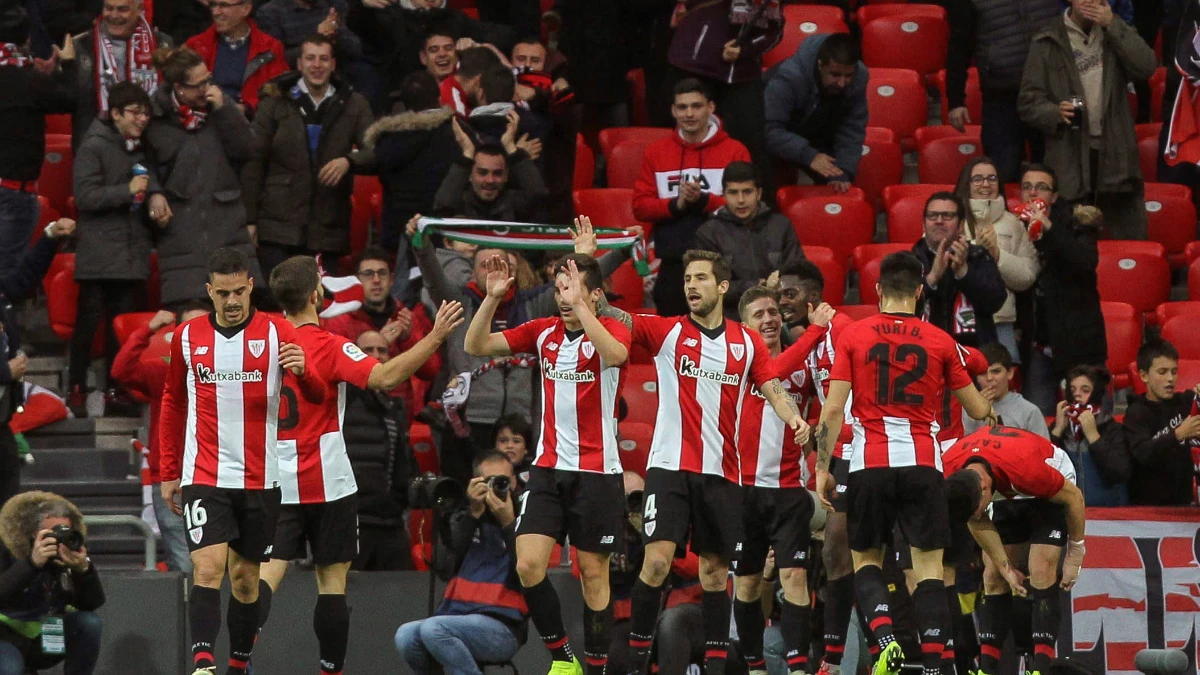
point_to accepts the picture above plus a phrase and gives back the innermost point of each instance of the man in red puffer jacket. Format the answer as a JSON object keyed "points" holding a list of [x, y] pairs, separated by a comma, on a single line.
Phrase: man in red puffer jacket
{"points": [[240, 57]]}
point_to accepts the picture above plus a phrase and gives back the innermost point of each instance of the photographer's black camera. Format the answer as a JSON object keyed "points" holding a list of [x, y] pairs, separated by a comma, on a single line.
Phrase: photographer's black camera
{"points": [[68, 536], [435, 492], [500, 485]]}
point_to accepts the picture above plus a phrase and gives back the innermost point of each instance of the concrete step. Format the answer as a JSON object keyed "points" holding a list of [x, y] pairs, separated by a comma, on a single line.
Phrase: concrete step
{"points": [[79, 487], [52, 463], [99, 432]]}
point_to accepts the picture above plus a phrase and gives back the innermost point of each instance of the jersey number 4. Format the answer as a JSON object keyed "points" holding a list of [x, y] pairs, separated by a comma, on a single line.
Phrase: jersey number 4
{"points": [[895, 391]]}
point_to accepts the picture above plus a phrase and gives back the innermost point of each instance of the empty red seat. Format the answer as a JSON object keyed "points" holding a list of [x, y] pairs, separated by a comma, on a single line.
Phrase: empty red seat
{"points": [[1172, 223], [420, 439], [62, 295], [894, 193], [880, 135], [55, 181], [125, 325], [1123, 332], [1169, 310], [833, 270], [839, 223], [1163, 190], [865, 254], [1135, 273], [639, 113], [608, 207], [896, 100], [926, 135], [630, 285], [941, 161], [1189, 376], [1181, 332], [869, 12], [625, 162], [881, 165], [802, 22], [1148, 157], [859, 312], [59, 124], [1147, 130], [906, 220], [868, 277], [585, 165], [973, 101], [907, 41], [640, 393], [790, 194], [611, 137], [635, 445]]}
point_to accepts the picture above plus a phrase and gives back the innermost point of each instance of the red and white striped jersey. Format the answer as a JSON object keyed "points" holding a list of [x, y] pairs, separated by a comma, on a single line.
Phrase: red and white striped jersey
{"points": [[313, 465], [820, 366], [220, 405], [579, 394], [703, 378], [897, 365]]}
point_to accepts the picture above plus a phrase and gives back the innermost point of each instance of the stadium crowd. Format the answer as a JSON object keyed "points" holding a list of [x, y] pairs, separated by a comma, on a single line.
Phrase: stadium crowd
{"points": [[171, 161]]}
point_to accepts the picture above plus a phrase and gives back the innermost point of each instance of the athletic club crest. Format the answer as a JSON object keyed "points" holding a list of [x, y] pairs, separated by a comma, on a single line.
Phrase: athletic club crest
{"points": [[650, 527], [257, 347], [588, 349], [196, 533], [738, 351]]}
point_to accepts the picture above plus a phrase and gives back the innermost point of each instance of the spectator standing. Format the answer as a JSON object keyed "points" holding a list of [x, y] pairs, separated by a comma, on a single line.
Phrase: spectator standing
{"points": [[461, 90], [292, 22], [197, 141], [376, 434], [990, 225], [297, 188], [240, 56], [816, 103], [491, 182], [1163, 430], [1093, 439], [112, 261], [1068, 324], [32, 89], [963, 287], [119, 48], [680, 184], [997, 34], [757, 242], [438, 56], [1008, 404], [722, 44], [1090, 139]]}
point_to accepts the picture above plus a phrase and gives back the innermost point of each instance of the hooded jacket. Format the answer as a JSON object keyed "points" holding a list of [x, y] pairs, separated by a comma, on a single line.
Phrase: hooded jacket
{"points": [[29, 594], [413, 152], [264, 62], [793, 96], [981, 286], [656, 192], [754, 249], [699, 43], [1018, 262]]}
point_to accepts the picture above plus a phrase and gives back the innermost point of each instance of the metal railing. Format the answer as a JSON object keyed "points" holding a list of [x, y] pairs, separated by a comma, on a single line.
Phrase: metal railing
{"points": [[150, 541]]}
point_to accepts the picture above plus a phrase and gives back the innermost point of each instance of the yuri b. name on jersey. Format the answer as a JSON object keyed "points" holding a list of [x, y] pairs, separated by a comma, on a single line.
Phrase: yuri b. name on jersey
{"points": [[566, 375], [206, 375]]}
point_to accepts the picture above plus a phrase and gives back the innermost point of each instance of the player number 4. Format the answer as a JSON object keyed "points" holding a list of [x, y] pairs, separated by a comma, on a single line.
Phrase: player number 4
{"points": [[650, 510], [195, 515]]}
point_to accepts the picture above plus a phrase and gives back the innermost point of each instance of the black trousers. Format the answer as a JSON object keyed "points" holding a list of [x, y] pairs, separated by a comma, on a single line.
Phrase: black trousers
{"points": [[10, 464], [669, 298], [457, 455], [271, 254], [382, 548], [99, 301]]}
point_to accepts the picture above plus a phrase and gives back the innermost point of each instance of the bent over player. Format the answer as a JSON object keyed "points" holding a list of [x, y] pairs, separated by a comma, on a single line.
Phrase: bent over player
{"points": [[220, 412]]}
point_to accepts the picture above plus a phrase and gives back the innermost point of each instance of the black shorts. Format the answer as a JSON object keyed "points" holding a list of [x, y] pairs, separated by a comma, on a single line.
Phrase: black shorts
{"points": [[244, 519], [1030, 521], [681, 506], [330, 529], [912, 497], [840, 469], [775, 518], [960, 551], [588, 508]]}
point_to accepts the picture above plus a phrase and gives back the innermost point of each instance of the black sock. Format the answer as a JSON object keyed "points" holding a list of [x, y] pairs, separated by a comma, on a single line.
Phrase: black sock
{"points": [[264, 603], [242, 621], [204, 614], [839, 602], [716, 631], [933, 622], [331, 623], [645, 602], [872, 594], [750, 625], [546, 613], [995, 615], [795, 625], [1045, 622], [955, 613], [597, 634], [1022, 624]]}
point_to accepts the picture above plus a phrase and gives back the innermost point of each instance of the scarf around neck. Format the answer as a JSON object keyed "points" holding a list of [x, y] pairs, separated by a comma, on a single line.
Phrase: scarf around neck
{"points": [[139, 50]]}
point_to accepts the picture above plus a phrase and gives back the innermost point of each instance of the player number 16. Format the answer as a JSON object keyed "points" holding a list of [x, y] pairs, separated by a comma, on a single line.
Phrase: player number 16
{"points": [[194, 514]]}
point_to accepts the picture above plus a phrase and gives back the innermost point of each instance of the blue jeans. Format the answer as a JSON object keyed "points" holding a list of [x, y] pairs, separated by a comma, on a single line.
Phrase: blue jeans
{"points": [[454, 644], [82, 631], [18, 217], [170, 526], [1007, 336]]}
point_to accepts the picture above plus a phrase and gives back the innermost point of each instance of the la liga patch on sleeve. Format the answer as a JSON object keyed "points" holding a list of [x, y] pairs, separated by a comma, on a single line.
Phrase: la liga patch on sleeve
{"points": [[352, 350]]}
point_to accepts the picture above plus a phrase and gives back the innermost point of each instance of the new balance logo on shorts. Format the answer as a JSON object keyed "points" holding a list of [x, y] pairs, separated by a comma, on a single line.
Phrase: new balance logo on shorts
{"points": [[608, 539], [1055, 534], [799, 555], [881, 608]]}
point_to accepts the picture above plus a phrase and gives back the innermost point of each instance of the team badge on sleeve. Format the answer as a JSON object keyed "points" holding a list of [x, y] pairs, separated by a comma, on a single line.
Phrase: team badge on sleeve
{"points": [[351, 350]]}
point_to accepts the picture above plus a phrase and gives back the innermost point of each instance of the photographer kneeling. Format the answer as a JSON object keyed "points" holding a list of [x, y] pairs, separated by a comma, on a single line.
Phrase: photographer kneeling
{"points": [[482, 617], [44, 571]]}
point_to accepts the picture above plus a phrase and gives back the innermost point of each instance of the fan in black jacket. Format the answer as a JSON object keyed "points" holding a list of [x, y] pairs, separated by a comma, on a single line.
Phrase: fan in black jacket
{"points": [[1162, 429]]}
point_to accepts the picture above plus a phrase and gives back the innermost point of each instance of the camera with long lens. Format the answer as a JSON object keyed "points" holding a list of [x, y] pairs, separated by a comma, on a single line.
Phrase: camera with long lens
{"points": [[435, 492], [68, 536], [500, 486]]}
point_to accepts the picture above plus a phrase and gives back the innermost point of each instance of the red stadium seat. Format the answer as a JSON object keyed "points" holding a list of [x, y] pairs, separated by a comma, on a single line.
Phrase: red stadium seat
{"points": [[802, 22], [55, 180], [906, 220], [420, 439], [585, 165], [608, 207], [1148, 157], [1157, 89], [613, 136], [896, 100], [1136, 273], [859, 312], [125, 325], [625, 163], [1164, 190], [627, 283], [62, 295], [881, 165], [868, 277], [973, 101], [1181, 332], [1123, 331], [1169, 310], [868, 13], [635, 445], [838, 223], [833, 270], [880, 135], [894, 193], [926, 135], [790, 194], [943, 160], [908, 41], [1189, 376], [420, 533], [46, 214], [865, 254], [1172, 223], [1150, 129], [59, 124], [640, 393], [639, 113]]}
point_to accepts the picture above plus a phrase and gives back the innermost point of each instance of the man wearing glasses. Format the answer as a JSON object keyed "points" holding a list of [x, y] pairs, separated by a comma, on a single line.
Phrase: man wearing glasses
{"points": [[241, 57]]}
